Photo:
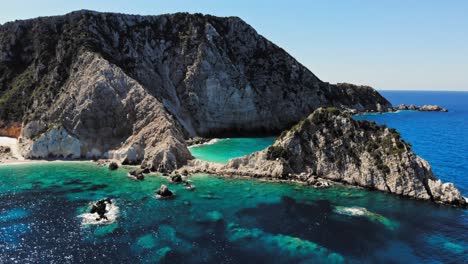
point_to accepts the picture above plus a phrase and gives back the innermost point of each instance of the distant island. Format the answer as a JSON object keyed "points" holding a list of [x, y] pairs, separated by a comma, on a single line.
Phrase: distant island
{"points": [[135, 89]]}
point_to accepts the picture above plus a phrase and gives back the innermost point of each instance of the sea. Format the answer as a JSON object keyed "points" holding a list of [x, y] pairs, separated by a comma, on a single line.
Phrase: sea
{"points": [[44, 208]]}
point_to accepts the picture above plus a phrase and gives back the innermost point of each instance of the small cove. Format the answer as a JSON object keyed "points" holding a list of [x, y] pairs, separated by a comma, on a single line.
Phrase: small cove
{"points": [[228, 148]]}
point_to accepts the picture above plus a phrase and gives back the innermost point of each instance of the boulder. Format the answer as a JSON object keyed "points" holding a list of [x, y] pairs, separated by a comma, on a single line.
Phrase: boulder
{"points": [[137, 174], [5, 149], [113, 166], [100, 208], [163, 191], [177, 178]]}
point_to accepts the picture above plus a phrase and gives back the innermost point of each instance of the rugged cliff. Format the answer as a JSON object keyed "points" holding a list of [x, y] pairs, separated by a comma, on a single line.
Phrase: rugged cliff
{"points": [[135, 86], [330, 144]]}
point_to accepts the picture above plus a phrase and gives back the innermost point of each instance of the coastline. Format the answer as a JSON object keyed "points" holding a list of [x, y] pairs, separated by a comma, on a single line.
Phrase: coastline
{"points": [[29, 161]]}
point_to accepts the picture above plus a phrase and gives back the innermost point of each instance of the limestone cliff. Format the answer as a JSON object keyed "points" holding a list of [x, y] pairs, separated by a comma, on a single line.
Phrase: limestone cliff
{"points": [[330, 144], [133, 87]]}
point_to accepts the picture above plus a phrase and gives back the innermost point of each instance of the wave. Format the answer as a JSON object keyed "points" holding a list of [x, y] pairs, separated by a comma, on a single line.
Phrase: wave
{"points": [[210, 142]]}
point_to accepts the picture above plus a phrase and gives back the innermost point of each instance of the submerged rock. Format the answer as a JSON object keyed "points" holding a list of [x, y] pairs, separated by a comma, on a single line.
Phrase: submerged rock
{"points": [[281, 245], [164, 191], [331, 145], [363, 212]]}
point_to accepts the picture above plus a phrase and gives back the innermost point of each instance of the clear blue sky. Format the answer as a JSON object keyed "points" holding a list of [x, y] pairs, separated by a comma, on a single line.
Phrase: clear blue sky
{"points": [[399, 44]]}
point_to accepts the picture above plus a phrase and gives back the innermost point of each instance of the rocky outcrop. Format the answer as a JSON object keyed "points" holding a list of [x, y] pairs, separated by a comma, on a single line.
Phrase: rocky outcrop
{"points": [[426, 108], [331, 145], [132, 88], [113, 166], [100, 208], [432, 108], [163, 191], [54, 143]]}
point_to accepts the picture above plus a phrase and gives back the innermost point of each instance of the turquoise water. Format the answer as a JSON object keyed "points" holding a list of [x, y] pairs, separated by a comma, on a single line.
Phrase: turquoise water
{"points": [[226, 149], [240, 220], [222, 221]]}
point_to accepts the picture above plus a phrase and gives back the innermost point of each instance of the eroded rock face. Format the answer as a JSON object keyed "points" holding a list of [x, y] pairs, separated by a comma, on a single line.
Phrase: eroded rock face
{"points": [[331, 145], [112, 115], [55, 143]]}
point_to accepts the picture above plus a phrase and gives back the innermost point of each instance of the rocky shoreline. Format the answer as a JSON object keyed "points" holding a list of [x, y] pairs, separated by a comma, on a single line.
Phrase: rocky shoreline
{"points": [[329, 145], [184, 78]]}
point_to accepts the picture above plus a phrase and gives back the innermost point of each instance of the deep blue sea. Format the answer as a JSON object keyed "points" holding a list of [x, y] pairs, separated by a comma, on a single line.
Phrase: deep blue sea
{"points": [[440, 138], [43, 209]]}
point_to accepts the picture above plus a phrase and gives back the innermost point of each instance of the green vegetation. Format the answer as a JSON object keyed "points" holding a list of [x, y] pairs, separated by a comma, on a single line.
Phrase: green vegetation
{"points": [[276, 152], [12, 100]]}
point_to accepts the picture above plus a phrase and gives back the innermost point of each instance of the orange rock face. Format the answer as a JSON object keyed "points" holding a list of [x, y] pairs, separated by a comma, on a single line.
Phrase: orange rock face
{"points": [[10, 130]]}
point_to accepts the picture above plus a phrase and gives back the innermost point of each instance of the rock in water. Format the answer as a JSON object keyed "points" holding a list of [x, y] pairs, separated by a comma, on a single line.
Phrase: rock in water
{"points": [[174, 76], [164, 191], [113, 166], [177, 178], [424, 108], [432, 108], [330, 144], [100, 208], [102, 212]]}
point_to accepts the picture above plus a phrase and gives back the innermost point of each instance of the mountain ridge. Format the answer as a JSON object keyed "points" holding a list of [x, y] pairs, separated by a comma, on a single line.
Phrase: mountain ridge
{"points": [[215, 76]]}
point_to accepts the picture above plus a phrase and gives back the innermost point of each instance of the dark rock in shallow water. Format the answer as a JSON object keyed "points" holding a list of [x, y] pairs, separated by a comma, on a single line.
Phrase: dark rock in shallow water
{"points": [[113, 166], [163, 191], [100, 208], [140, 171], [138, 174], [135, 176], [177, 178]]}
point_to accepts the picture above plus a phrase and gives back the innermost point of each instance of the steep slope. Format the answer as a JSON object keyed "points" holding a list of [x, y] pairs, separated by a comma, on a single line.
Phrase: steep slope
{"points": [[207, 76], [331, 145], [95, 121]]}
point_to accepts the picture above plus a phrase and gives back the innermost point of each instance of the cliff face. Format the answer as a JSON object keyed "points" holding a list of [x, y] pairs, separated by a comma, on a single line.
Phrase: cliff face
{"points": [[113, 117], [331, 145], [113, 80]]}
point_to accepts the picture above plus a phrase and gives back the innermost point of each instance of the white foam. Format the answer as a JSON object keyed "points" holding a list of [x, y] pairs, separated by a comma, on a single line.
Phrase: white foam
{"points": [[112, 212], [211, 142]]}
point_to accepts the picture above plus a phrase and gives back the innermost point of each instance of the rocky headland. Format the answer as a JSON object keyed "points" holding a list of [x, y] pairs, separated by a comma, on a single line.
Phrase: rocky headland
{"points": [[330, 145], [135, 89]]}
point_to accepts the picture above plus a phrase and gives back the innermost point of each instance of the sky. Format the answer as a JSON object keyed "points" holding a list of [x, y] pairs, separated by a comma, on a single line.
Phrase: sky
{"points": [[390, 45]]}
